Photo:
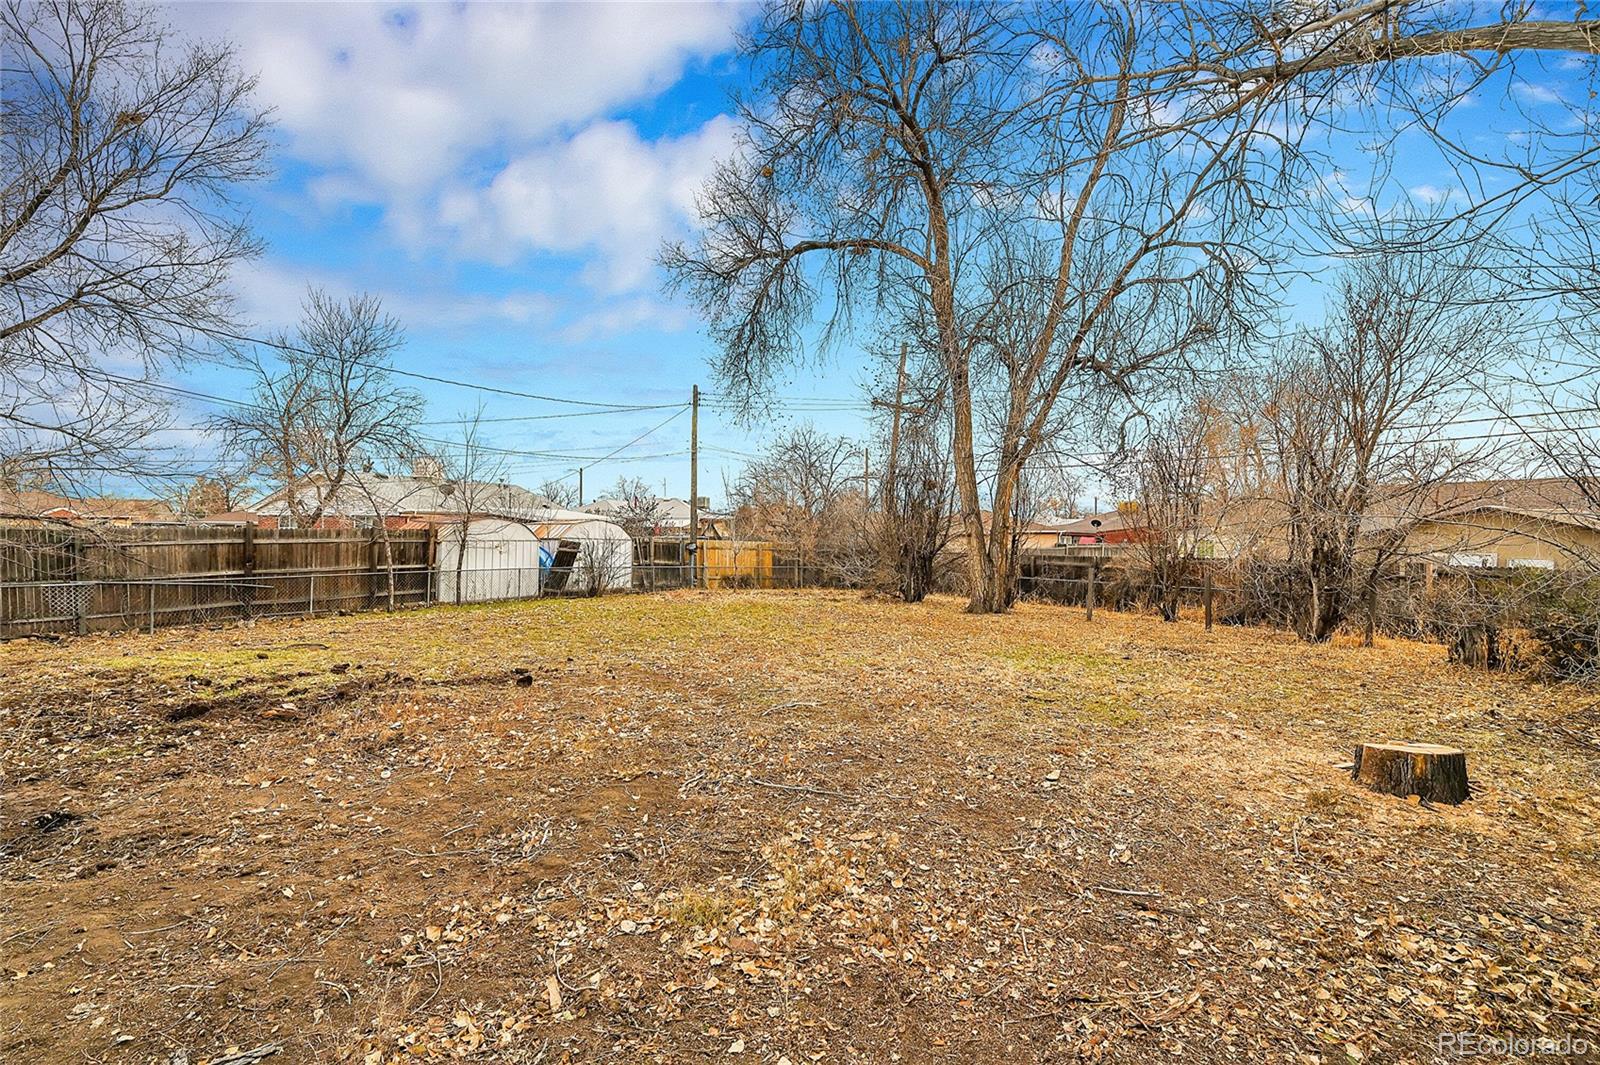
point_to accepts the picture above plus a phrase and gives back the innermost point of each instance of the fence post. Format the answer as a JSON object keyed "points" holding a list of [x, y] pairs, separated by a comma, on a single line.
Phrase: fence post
{"points": [[150, 590], [311, 597], [248, 567], [1088, 599], [1208, 592], [81, 588], [432, 565], [372, 569]]}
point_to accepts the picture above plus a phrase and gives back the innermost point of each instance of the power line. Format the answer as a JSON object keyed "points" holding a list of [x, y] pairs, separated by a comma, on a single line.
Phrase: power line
{"points": [[375, 364], [547, 417], [541, 454], [660, 425], [230, 402]]}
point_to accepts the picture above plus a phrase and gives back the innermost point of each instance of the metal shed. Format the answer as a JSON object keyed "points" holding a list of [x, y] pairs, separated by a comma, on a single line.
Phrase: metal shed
{"points": [[497, 559]]}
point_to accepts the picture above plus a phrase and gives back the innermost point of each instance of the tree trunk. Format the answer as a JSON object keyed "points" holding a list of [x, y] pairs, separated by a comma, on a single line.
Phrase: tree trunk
{"points": [[1325, 603], [998, 561], [461, 558], [1427, 770], [1369, 634], [388, 559], [1477, 646]]}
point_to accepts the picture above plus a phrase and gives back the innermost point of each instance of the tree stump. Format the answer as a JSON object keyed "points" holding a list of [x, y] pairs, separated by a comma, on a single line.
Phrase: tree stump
{"points": [[1435, 773], [1477, 646]]}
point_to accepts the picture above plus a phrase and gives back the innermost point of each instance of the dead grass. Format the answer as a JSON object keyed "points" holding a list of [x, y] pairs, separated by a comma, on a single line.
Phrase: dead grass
{"points": [[760, 826]]}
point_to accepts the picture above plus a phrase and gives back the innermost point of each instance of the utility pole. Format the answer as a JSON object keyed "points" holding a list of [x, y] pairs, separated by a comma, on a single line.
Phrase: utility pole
{"points": [[894, 432], [694, 487], [580, 486]]}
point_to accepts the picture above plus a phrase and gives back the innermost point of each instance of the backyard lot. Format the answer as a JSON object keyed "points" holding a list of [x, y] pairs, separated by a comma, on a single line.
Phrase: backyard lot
{"points": [[751, 827]]}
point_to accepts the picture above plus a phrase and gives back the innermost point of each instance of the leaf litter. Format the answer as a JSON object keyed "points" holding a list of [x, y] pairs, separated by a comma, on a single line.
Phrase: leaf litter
{"points": [[794, 827]]}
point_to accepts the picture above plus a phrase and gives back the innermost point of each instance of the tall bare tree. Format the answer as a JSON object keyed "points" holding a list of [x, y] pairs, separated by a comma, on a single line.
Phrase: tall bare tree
{"points": [[636, 507], [561, 493], [804, 491], [1554, 398], [223, 489], [324, 405], [122, 147], [1166, 476], [916, 495], [473, 472], [1355, 420], [998, 166], [1064, 190]]}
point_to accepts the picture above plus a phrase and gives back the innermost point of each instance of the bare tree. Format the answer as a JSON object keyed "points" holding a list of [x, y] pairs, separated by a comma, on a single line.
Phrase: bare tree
{"points": [[998, 167], [916, 500], [1355, 420], [473, 473], [637, 508], [805, 492], [121, 153], [1556, 263], [219, 491], [1065, 190], [1166, 475], [324, 405], [562, 494], [916, 495]]}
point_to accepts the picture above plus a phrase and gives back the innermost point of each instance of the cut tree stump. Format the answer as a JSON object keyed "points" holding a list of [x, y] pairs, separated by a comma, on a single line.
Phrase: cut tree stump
{"points": [[1435, 773]]}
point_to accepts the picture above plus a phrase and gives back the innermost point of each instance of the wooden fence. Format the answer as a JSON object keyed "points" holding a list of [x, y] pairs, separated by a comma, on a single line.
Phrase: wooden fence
{"points": [[660, 563], [88, 580]]}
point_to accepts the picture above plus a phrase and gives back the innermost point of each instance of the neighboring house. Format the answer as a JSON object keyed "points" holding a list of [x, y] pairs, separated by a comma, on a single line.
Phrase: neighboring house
{"points": [[1540, 523], [28, 507], [671, 516], [1037, 535], [1110, 528], [364, 498]]}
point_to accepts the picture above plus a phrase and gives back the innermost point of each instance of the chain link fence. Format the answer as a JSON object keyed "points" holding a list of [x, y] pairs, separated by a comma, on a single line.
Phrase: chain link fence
{"points": [[1547, 620], [30, 608], [552, 567]]}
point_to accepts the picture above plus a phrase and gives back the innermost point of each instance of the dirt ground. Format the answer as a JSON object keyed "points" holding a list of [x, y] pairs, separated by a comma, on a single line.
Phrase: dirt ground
{"points": [[779, 827]]}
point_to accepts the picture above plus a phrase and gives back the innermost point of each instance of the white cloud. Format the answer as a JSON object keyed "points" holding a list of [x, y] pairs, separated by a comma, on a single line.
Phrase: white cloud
{"points": [[270, 295], [627, 315], [605, 191], [1432, 195], [1534, 93], [398, 96], [397, 105]]}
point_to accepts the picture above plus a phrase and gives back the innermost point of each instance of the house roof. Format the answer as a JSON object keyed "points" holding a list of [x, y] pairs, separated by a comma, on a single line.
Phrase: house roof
{"points": [[1093, 524], [669, 511], [36, 504], [1555, 499], [1049, 525], [418, 495], [542, 518]]}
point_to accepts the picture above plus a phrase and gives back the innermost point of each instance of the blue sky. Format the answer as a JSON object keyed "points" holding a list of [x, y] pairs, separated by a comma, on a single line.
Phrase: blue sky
{"points": [[502, 176]]}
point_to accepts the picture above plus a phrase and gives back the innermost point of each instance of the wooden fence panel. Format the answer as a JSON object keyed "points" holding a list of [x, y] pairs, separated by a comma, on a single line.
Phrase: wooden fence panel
{"points": [[86, 580], [736, 563]]}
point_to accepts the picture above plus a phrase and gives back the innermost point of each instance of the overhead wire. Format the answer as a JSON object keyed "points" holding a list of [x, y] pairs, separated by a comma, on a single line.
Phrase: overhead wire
{"points": [[280, 345]]}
